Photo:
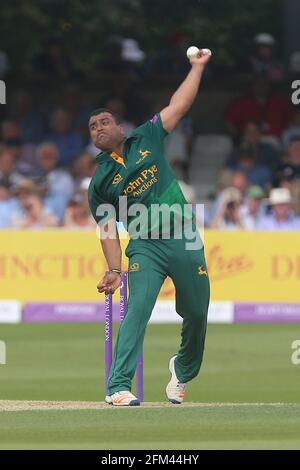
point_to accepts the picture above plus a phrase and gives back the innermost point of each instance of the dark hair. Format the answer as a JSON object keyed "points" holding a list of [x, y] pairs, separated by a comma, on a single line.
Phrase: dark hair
{"points": [[294, 138], [257, 124], [105, 110], [4, 183]]}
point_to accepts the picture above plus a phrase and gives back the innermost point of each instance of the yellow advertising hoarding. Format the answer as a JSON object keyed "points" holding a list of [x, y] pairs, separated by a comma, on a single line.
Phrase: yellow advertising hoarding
{"points": [[63, 265]]}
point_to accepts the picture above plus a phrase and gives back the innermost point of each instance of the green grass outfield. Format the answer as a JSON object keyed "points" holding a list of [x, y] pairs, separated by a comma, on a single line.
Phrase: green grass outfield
{"points": [[246, 397]]}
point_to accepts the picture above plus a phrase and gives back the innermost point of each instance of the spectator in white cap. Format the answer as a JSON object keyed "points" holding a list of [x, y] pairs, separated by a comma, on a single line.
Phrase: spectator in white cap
{"points": [[228, 216], [265, 61], [282, 216]]}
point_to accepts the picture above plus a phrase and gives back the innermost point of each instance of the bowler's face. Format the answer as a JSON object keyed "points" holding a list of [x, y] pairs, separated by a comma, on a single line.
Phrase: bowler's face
{"points": [[105, 133]]}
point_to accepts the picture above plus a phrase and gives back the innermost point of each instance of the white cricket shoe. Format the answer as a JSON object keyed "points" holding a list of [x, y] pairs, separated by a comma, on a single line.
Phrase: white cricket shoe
{"points": [[175, 390], [108, 400], [124, 398]]}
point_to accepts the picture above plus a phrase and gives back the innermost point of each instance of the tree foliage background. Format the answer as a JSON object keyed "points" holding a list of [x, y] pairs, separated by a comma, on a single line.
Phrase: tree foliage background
{"points": [[226, 26]]}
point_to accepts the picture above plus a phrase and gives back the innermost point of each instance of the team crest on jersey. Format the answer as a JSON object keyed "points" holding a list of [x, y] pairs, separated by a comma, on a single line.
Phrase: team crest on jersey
{"points": [[144, 154], [117, 179], [134, 267], [201, 271]]}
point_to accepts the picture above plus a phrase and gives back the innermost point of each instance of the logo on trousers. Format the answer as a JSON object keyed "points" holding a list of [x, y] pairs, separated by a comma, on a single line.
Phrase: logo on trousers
{"points": [[134, 267], [201, 271], [2, 92]]}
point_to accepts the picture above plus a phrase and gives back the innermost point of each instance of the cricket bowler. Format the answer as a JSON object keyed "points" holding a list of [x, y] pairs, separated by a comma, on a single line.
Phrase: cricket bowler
{"points": [[135, 168]]}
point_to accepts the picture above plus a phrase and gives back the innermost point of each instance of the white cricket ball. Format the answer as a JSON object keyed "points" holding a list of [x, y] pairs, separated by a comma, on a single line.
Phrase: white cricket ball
{"points": [[206, 51], [192, 51]]}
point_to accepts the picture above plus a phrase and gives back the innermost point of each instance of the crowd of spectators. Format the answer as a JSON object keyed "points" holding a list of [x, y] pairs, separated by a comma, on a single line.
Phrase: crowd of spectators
{"points": [[47, 159]]}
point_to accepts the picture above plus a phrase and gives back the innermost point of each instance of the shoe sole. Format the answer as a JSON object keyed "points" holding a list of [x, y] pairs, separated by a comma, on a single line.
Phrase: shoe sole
{"points": [[109, 401], [171, 400], [132, 403]]}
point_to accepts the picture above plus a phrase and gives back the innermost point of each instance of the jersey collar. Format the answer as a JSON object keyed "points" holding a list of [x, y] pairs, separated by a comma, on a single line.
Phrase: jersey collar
{"points": [[113, 155]]}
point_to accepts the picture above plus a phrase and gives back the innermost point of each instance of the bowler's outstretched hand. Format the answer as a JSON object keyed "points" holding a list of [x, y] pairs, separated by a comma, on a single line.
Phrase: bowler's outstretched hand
{"points": [[109, 284], [202, 58]]}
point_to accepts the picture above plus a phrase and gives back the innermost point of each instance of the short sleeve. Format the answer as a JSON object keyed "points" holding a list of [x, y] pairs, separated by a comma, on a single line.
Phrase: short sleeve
{"points": [[152, 129]]}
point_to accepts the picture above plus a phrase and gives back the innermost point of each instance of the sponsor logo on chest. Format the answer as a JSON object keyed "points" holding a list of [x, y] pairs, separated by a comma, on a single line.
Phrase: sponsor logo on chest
{"points": [[145, 179]]}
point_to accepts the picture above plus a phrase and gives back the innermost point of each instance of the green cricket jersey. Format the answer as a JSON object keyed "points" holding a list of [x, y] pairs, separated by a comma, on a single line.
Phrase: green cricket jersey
{"points": [[142, 174]]}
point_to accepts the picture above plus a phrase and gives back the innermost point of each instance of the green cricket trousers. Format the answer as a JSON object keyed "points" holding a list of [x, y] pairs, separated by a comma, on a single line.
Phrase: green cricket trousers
{"points": [[150, 262]]}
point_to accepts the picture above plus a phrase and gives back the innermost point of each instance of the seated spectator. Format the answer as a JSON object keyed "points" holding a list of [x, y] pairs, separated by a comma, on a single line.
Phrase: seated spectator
{"points": [[7, 204], [282, 216], [288, 172], [169, 62], [294, 187], [273, 112], [8, 167], [228, 216], [83, 191], [77, 215], [253, 208], [54, 202], [234, 179], [22, 191], [11, 135], [292, 131], [69, 143], [178, 146], [84, 167], [78, 112], [239, 180], [53, 65], [290, 168], [114, 65], [266, 154], [59, 181], [4, 190], [256, 173], [264, 61], [35, 215], [29, 121]]}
